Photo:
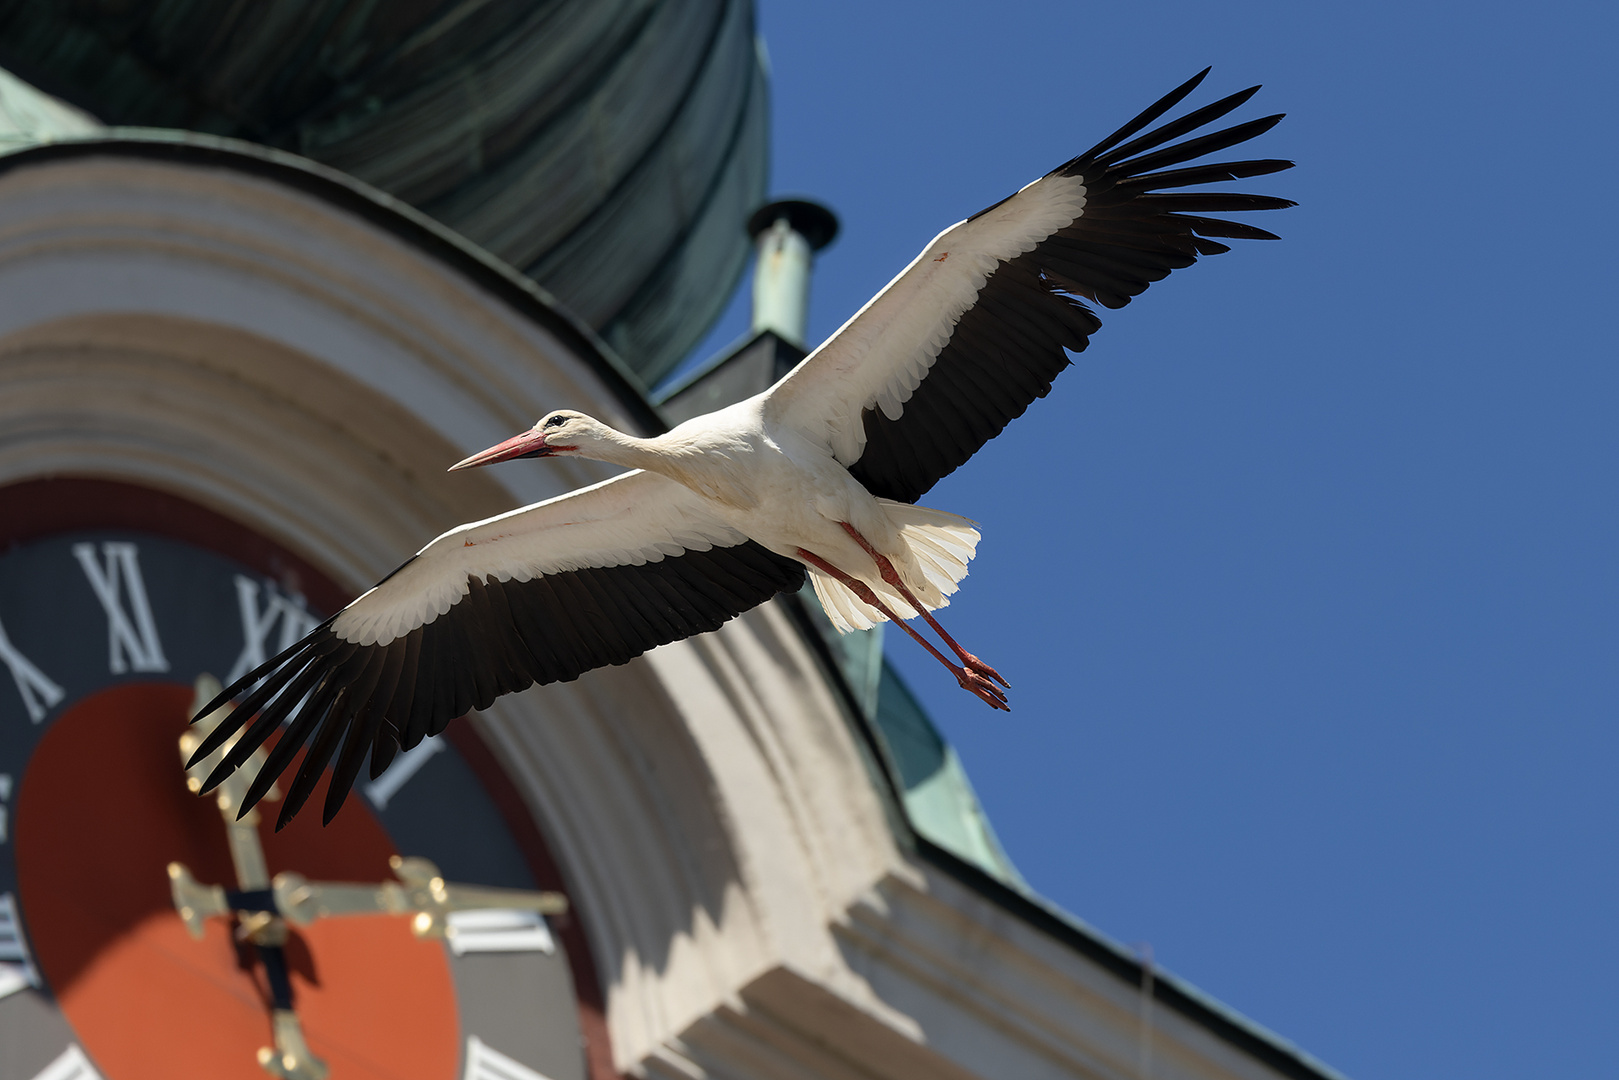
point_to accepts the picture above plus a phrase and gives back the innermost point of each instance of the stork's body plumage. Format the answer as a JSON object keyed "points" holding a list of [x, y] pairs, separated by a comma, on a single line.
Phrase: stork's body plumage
{"points": [[817, 475]]}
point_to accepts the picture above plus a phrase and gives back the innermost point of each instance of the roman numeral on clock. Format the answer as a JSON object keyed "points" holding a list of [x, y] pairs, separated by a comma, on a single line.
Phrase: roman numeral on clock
{"points": [[71, 1064], [132, 642], [484, 1062], [17, 970], [403, 767], [39, 693], [257, 625]]}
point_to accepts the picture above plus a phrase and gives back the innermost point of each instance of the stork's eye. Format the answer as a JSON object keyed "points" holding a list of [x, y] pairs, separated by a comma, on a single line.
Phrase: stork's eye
{"points": [[555, 421]]}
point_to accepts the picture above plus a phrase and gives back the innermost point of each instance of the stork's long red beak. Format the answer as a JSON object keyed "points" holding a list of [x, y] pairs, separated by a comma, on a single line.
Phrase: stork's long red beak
{"points": [[528, 444]]}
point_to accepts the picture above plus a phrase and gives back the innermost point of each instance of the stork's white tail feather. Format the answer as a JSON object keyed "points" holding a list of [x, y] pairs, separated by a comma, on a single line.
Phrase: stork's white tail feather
{"points": [[841, 606], [936, 548]]}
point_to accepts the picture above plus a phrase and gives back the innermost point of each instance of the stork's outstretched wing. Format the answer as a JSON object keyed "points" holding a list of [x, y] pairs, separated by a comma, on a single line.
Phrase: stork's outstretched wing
{"points": [[537, 595], [960, 343]]}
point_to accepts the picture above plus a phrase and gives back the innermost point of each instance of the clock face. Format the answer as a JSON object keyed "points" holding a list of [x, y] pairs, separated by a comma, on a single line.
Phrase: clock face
{"points": [[103, 630]]}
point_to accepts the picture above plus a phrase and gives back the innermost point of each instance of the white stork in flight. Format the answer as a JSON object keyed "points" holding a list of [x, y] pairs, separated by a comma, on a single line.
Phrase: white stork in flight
{"points": [[819, 474]]}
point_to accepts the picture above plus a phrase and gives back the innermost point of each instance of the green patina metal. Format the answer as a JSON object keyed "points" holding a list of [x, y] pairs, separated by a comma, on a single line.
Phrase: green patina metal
{"points": [[610, 150], [939, 799], [29, 117]]}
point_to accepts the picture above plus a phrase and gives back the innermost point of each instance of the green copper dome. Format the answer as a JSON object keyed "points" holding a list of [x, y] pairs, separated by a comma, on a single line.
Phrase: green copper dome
{"points": [[611, 150]]}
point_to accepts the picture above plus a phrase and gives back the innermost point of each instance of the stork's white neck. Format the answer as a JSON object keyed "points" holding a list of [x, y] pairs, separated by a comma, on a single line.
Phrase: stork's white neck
{"points": [[603, 443], [677, 455], [668, 454]]}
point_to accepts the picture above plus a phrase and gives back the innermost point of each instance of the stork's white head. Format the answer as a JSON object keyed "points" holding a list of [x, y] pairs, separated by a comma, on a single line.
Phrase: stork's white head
{"points": [[561, 432]]}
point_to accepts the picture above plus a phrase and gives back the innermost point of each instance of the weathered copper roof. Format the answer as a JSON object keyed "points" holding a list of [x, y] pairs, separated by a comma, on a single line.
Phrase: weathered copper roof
{"points": [[611, 150]]}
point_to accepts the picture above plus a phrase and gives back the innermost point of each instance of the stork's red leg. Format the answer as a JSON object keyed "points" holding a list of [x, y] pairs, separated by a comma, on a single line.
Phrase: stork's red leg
{"points": [[891, 576], [969, 679]]}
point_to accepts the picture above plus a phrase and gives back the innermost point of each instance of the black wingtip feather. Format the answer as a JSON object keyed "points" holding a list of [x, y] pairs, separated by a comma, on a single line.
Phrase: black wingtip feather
{"points": [[1213, 173], [1176, 128], [384, 748], [1231, 230], [218, 702], [337, 720], [239, 687], [1214, 202], [1205, 144], [249, 706], [331, 685], [1147, 116], [361, 734], [270, 716]]}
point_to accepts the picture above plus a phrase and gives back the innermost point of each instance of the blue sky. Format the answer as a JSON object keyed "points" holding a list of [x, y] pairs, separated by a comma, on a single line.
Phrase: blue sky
{"points": [[1305, 574]]}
